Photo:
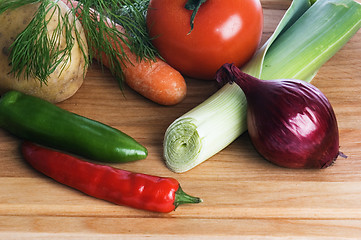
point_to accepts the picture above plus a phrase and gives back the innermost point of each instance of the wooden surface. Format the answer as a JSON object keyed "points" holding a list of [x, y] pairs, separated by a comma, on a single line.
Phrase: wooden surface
{"points": [[244, 196]]}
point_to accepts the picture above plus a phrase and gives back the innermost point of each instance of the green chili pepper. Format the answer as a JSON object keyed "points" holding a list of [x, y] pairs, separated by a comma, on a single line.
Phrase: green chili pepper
{"points": [[37, 120]]}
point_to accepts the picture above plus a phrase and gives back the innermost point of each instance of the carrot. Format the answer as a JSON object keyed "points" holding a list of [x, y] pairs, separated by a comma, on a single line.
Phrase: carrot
{"points": [[155, 80]]}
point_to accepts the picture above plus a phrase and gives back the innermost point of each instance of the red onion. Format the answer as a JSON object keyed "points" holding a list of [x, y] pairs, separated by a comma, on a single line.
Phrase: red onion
{"points": [[290, 122]]}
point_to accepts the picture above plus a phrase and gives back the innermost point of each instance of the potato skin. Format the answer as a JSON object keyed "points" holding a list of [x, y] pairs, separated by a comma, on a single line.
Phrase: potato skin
{"points": [[60, 85]]}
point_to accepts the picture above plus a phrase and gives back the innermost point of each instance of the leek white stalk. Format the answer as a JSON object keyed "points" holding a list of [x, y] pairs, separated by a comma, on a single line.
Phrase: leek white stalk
{"points": [[206, 129], [308, 35]]}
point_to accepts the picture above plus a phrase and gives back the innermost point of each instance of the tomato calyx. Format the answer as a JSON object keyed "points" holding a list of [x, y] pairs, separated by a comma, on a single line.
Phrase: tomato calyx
{"points": [[193, 5]]}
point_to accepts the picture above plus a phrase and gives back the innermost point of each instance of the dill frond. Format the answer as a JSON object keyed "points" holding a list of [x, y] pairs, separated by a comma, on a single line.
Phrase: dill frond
{"points": [[39, 55], [105, 38], [36, 54], [134, 13]]}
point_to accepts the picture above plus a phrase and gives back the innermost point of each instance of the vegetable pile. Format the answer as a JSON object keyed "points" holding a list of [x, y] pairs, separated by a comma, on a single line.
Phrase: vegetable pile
{"points": [[113, 33], [37, 120], [265, 91], [52, 65], [142, 70], [308, 35]]}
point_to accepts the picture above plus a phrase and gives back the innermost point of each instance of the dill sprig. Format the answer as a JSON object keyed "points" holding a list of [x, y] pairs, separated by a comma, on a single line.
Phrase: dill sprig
{"points": [[38, 55], [101, 24], [135, 12]]}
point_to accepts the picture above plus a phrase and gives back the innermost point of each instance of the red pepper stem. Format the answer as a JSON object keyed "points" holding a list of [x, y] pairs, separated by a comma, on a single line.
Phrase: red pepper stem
{"points": [[182, 198]]}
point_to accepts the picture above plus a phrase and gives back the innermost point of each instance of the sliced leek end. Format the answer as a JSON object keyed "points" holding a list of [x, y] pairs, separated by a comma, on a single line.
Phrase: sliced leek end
{"points": [[182, 145]]}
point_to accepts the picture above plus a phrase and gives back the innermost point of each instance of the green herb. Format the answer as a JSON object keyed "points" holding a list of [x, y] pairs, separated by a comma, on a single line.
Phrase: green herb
{"points": [[136, 28], [38, 55]]}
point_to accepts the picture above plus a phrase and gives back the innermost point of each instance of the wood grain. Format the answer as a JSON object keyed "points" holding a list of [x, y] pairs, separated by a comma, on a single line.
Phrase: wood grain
{"points": [[244, 196]]}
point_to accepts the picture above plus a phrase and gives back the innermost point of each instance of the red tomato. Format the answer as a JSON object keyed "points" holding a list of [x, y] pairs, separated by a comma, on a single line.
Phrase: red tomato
{"points": [[225, 31]]}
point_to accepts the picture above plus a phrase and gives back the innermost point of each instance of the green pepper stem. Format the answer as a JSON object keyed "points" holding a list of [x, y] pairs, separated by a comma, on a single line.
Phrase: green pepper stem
{"points": [[182, 198]]}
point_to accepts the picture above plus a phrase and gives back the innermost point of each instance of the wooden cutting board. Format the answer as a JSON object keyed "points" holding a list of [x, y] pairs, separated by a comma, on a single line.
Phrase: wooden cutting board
{"points": [[244, 196]]}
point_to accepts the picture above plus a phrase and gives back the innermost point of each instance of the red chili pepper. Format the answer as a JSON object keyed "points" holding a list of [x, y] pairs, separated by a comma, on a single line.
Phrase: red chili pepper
{"points": [[118, 186]]}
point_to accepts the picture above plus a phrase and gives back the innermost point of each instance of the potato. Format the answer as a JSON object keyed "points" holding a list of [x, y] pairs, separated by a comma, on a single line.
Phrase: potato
{"points": [[60, 85]]}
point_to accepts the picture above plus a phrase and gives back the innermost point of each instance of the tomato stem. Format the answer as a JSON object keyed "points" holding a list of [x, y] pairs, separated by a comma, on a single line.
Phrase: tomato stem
{"points": [[194, 6]]}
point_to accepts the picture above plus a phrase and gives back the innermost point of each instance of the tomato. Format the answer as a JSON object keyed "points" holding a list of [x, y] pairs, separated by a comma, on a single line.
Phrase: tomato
{"points": [[225, 31]]}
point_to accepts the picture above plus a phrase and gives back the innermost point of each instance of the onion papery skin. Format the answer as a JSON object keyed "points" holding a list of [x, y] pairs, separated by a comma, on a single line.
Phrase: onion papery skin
{"points": [[291, 123]]}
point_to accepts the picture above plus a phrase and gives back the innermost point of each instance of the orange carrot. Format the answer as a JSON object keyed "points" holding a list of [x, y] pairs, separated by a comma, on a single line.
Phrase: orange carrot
{"points": [[155, 80]]}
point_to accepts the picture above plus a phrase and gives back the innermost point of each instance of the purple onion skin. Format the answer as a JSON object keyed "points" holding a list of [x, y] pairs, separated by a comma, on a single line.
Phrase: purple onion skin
{"points": [[291, 123]]}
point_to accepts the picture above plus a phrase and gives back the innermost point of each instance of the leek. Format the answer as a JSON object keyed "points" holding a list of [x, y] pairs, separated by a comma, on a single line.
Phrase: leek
{"points": [[308, 35]]}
